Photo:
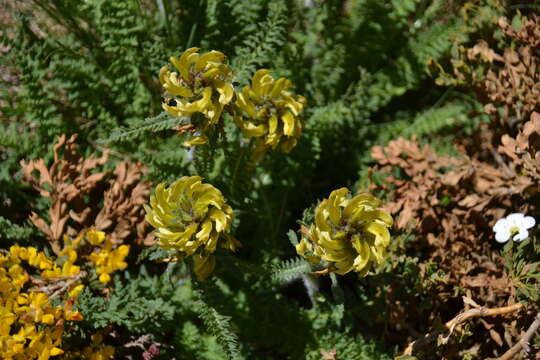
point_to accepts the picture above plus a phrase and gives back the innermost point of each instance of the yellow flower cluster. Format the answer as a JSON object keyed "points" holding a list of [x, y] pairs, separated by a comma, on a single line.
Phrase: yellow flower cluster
{"points": [[190, 217], [269, 112], [31, 327], [265, 110], [201, 85], [106, 259], [350, 233], [95, 351]]}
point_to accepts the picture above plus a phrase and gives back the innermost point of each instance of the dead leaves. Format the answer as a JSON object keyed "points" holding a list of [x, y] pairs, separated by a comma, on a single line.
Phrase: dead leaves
{"points": [[84, 197], [512, 83], [452, 202], [506, 79]]}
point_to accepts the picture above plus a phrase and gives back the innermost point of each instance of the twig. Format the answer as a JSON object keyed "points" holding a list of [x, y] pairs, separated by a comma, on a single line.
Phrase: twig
{"points": [[523, 343], [322, 272], [450, 325], [140, 342], [61, 287], [479, 313], [67, 285], [304, 230]]}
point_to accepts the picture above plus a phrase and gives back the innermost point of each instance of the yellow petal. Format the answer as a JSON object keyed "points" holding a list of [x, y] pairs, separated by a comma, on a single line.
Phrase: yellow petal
{"points": [[266, 84], [358, 200], [272, 124], [204, 233], [257, 83], [56, 351], [211, 73], [251, 130], [168, 235], [382, 235], [231, 242], [377, 215], [104, 278], [320, 219], [196, 140], [163, 74], [76, 291], [47, 319], [225, 90], [344, 267], [201, 205], [219, 218], [378, 253], [288, 145], [245, 104], [200, 105], [362, 248], [175, 111], [173, 87], [212, 56], [211, 243], [288, 123], [278, 87], [203, 266], [185, 61], [293, 104]]}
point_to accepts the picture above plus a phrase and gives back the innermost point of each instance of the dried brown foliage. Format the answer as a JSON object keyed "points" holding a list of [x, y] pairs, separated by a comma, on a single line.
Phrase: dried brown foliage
{"points": [[84, 197], [452, 202], [455, 201], [511, 86]]}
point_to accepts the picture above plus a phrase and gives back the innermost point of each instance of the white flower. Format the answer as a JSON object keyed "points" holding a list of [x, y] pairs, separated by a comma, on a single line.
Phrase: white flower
{"points": [[513, 226]]}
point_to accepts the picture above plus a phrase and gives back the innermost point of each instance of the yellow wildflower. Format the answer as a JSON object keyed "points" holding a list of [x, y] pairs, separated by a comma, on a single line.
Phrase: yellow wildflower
{"points": [[191, 217], [106, 259], [31, 327], [349, 233], [97, 350], [269, 112], [201, 85]]}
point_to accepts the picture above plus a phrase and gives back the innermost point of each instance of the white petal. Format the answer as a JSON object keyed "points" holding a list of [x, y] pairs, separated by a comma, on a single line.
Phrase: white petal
{"points": [[522, 235], [501, 225], [515, 218], [528, 222], [502, 236]]}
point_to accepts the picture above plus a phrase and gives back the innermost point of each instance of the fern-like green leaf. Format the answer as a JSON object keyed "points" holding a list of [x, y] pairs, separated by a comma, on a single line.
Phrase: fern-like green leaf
{"points": [[289, 270], [261, 45], [220, 326], [11, 231], [158, 123]]}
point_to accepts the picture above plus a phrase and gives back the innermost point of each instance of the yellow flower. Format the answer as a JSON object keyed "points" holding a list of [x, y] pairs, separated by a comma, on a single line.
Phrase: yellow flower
{"points": [[268, 112], [94, 237], [106, 259], [349, 233], [97, 350], [191, 217], [31, 327], [201, 85]]}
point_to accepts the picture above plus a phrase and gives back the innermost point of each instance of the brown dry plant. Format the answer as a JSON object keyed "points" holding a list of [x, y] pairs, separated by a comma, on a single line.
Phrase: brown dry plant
{"points": [[451, 204], [83, 197], [507, 83]]}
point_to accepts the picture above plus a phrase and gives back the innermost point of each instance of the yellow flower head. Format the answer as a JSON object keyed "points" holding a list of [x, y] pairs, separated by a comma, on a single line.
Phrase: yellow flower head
{"points": [[31, 327], [269, 112], [191, 217], [201, 85], [106, 259], [351, 233]]}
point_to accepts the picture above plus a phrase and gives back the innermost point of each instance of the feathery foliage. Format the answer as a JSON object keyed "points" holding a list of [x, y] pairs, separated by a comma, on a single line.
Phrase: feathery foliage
{"points": [[370, 72]]}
